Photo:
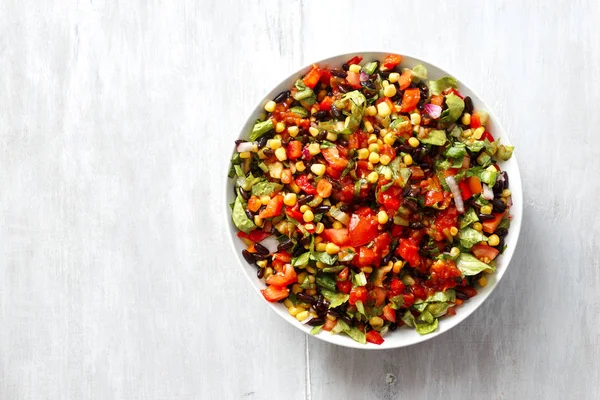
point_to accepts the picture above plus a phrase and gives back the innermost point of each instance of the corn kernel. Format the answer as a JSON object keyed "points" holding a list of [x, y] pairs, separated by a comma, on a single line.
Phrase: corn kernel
{"points": [[301, 277], [293, 311], [372, 139], [293, 131], [311, 292], [331, 317], [466, 119], [373, 177], [332, 248], [318, 169], [385, 83], [288, 303], [398, 266], [376, 322], [415, 119], [414, 142], [331, 136], [258, 221], [394, 76], [338, 225], [268, 272], [486, 209], [453, 231], [354, 68], [373, 158], [477, 226], [482, 281], [301, 316], [304, 208], [320, 265], [371, 111], [265, 200], [295, 188], [363, 154], [290, 199], [478, 133], [275, 144], [369, 127], [270, 106], [494, 240], [385, 159], [506, 193], [313, 131], [316, 201], [281, 154], [245, 154], [467, 133], [382, 217], [374, 147], [383, 110], [387, 174], [311, 270], [408, 159], [261, 154], [280, 127], [314, 149], [367, 270], [454, 251], [389, 91], [308, 216], [321, 247], [296, 288], [320, 228], [300, 166], [389, 139]]}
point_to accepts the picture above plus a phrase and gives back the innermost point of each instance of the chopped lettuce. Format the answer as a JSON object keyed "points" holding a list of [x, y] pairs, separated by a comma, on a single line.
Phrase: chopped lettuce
{"points": [[426, 317], [304, 93], [360, 307], [476, 146], [248, 182], [316, 329], [438, 309], [488, 176], [409, 319], [435, 137], [504, 152], [370, 68], [469, 265], [359, 279], [400, 122], [399, 171], [260, 128], [437, 87], [354, 333], [265, 188], [323, 257], [424, 329], [239, 217], [335, 269], [357, 110], [334, 299], [301, 259], [468, 218], [457, 152], [469, 237], [326, 281], [456, 105], [301, 111], [419, 73]]}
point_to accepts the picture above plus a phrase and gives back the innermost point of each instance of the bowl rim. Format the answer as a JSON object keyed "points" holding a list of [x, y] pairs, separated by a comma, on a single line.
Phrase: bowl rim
{"points": [[516, 212]]}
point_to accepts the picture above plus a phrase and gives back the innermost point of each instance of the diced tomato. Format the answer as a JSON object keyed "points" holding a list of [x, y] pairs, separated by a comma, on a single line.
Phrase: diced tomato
{"points": [[491, 225], [324, 188], [437, 100], [387, 150], [325, 76], [391, 198], [283, 279], [325, 104], [305, 185], [377, 296], [343, 274], [346, 194], [294, 212], [286, 176], [396, 287], [474, 185], [389, 313], [344, 286], [329, 324], [432, 197], [409, 250], [356, 294], [374, 337], [484, 252], [452, 310], [381, 244], [416, 172], [397, 230], [410, 99], [488, 136], [418, 291], [354, 60], [254, 236], [454, 91], [468, 290], [465, 191], [312, 78], [273, 208], [353, 79], [254, 204], [338, 236], [365, 257], [409, 300], [405, 79], [275, 293], [294, 150], [358, 140], [479, 118], [333, 158], [332, 172], [445, 219], [444, 274], [283, 256], [363, 227], [391, 60]]}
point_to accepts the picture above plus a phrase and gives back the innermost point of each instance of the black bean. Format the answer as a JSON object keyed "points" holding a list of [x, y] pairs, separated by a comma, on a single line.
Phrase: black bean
{"points": [[316, 321], [486, 217], [248, 256], [239, 141], [282, 96], [346, 319], [393, 326], [336, 113], [387, 258], [339, 73], [249, 215], [298, 251], [305, 138], [261, 249], [322, 135], [376, 131], [344, 88], [319, 115], [345, 208], [342, 142], [416, 225], [333, 313], [306, 199], [260, 256], [406, 191], [268, 152], [345, 66], [285, 245], [498, 205], [262, 142], [327, 223], [260, 273], [505, 183], [500, 245], [244, 193], [498, 188], [502, 232], [306, 298], [411, 205], [406, 148], [461, 295], [385, 74], [468, 105], [321, 209], [369, 85]]}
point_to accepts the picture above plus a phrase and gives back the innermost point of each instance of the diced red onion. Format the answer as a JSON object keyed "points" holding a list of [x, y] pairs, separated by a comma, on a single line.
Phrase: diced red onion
{"points": [[460, 206], [307, 319], [271, 243], [245, 146], [433, 110], [363, 76], [488, 193]]}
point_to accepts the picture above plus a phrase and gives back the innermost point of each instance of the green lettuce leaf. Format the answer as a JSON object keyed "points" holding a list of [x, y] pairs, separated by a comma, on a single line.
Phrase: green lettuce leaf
{"points": [[316, 329], [469, 237], [301, 260], [248, 182], [370, 68], [304, 93], [476, 146], [357, 111], [504, 152], [424, 329], [469, 265], [435, 137], [426, 317], [260, 128], [468, 218], [326, 281], [419, 73], [399, 171], [323, 257], [456, 105], [359, 279], [360, 307], [398, 123], [334, 299], [438, 309], [409, 319], [301, 111], [456, 151], [239, 217], [265, 188], [488, 176], [335, 269], [437, 87], [357, 335]]}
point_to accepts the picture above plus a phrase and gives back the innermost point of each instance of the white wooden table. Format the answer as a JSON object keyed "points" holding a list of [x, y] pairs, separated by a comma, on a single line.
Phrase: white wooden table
{"points": [[116, 278]]}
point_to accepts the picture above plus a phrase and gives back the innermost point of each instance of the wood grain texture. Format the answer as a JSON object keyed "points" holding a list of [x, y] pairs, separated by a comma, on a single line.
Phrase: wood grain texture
{"points": [[116, 278]]}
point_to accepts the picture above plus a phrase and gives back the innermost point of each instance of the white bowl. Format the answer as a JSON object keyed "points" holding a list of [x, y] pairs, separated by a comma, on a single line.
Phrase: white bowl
{"points": [[402, 336]]}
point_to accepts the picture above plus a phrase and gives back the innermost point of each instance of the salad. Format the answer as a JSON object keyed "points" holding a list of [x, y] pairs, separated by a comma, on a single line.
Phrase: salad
{"points": [[371, 198]]}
